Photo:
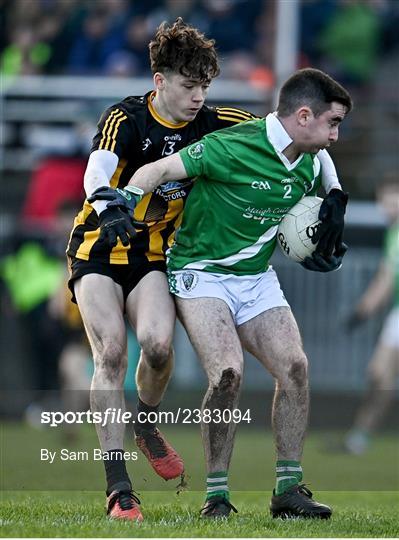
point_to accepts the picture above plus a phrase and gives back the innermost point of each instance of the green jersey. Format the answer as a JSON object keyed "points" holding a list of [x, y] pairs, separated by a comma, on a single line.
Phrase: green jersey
{"points": [[391, 256], [244, 187]]}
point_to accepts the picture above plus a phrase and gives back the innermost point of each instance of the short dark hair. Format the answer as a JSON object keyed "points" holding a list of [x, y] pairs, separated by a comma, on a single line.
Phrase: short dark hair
{"points": [[183, 49], [313, 88]]}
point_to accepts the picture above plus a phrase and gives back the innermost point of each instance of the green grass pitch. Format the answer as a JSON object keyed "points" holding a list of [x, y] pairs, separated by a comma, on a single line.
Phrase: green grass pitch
{"points": [[66, 499]]}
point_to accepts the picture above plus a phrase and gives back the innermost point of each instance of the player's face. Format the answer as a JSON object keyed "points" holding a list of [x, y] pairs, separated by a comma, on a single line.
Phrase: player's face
{"points": [[182, 97], [320, 131]]}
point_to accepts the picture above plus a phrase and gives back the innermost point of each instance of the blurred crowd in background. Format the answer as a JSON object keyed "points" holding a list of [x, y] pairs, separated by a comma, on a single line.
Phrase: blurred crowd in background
{"points": [[110, 37]]}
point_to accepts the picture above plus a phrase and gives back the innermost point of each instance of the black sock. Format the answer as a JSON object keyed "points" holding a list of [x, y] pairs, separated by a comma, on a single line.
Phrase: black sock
{"points": [[115, 470], [143, 422]]}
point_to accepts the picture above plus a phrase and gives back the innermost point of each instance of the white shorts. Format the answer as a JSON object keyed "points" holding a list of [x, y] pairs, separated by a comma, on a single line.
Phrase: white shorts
{"points": [[390, 330], [246, 296]]}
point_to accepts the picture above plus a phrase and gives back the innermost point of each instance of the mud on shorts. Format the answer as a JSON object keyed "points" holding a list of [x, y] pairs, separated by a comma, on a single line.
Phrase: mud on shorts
{"points": [[246, 296], [126, 275]]}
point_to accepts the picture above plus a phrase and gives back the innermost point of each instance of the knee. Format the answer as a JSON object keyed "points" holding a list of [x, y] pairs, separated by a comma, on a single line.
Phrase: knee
{"points": [[111, 361], [230, 380], [296, 373], [224, 390], [156, 351]]}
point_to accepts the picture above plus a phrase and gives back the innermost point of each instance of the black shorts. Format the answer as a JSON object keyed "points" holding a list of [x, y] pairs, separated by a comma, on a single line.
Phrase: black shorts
{"points": [[126, 275]]}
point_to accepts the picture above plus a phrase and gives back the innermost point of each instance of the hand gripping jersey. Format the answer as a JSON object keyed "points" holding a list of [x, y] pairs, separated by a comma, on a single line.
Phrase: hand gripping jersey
{"points": [[134, 131], [244, 188]]}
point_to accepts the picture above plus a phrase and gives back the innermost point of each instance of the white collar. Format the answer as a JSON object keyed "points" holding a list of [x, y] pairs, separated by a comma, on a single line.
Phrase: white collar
{"points": [[279, 139], [276, 133]]}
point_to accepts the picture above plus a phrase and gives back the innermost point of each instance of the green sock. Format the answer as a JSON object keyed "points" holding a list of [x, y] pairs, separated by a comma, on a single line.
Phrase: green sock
{"points": [[288, 473], [216, 485]]}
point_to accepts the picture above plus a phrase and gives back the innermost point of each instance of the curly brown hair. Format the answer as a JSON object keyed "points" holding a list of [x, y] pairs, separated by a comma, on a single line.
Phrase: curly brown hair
{"points": [[183, 49]]}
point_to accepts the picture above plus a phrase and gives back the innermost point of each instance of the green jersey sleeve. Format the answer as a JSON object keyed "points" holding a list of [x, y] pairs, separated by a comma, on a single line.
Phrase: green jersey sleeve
{"points": [[207, 158], [193, 158]]}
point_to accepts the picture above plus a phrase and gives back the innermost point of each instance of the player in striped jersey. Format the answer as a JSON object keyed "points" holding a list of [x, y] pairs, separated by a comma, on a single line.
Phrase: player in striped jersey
{"points": [[113, 270], [116, 271]]}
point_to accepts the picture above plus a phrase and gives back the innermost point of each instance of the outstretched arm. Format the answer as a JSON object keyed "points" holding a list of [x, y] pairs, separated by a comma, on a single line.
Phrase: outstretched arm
{"points": [[151, 175], [376, 295], [378, 292]]}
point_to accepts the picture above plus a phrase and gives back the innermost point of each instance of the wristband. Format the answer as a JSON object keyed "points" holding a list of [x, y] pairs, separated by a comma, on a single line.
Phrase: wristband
{"points": [[136, 191]]}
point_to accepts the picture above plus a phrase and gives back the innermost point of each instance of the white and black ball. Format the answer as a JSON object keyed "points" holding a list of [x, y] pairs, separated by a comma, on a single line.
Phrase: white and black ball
{"points": [[298, 227]]}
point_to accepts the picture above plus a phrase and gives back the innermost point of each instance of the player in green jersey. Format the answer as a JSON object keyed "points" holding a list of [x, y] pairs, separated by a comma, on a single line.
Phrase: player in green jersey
{"points": [[384, 365], [227, 296]]}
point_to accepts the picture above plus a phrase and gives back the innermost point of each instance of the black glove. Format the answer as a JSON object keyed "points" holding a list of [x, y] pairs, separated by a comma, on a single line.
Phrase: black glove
{"points": [[116, 223], [118, 198], [328, 236], [319, 263]]}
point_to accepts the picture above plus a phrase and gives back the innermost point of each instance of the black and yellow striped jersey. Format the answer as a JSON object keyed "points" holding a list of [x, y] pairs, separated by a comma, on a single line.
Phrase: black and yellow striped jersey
{"points": [[134, 131]]}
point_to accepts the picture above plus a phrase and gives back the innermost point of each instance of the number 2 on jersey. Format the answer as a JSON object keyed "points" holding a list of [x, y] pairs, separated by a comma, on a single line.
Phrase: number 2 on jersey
{"points": [[287, 194]]}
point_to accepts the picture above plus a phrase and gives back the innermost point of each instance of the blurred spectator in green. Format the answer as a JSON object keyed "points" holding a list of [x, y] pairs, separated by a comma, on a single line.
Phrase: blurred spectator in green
{"points": [[31, 275], [38, 35], [383, 368], [350, 41], [25, 55], [34, 273], [58, 28]]}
